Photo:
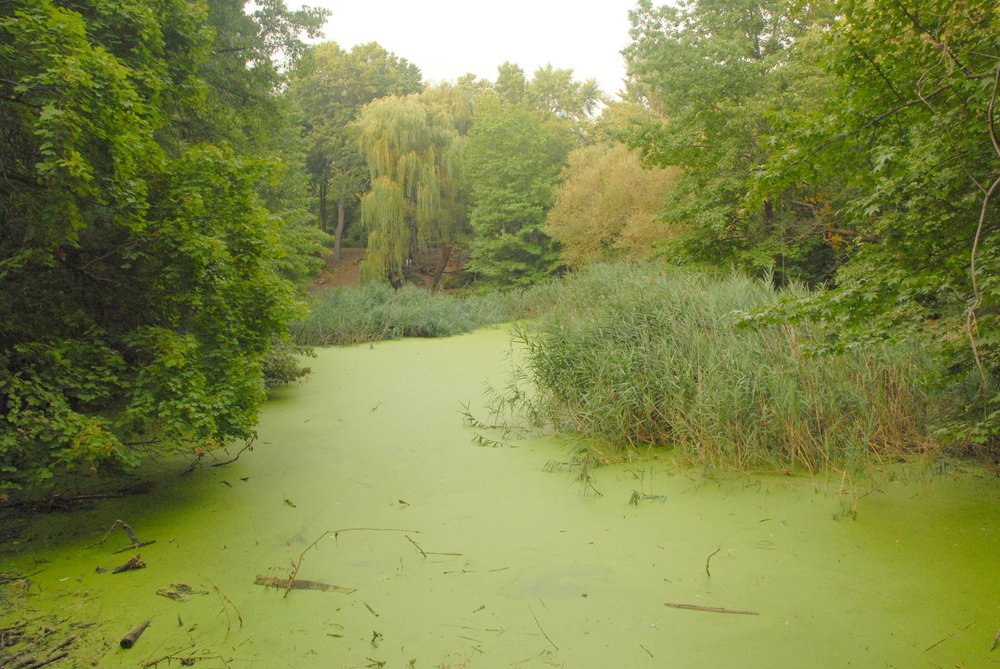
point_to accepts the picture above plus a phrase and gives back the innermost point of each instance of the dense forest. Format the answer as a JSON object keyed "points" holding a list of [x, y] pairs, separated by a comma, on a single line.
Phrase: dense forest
{"points": [[173, 173]]}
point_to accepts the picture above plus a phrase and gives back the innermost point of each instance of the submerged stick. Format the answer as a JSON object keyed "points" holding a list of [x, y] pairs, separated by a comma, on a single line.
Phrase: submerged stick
{"points": [[710, 609], [709, 559], [129, 639], [540, 627]]}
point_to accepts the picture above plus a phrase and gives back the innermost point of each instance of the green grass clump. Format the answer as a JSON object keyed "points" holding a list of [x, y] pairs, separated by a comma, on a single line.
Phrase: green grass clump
{"points": [[375, 312], [632, 355]]}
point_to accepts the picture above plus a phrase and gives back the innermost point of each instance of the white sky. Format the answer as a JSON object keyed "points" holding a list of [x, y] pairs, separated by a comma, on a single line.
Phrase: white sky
{"points": [[449, 38]]}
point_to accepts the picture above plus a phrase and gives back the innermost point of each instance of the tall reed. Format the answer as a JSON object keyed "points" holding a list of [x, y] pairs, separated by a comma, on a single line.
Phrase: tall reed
{"points": [[375, 312], [634, 355]]}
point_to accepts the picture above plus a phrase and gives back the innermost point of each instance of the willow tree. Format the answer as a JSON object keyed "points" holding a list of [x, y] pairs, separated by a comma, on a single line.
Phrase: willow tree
{"points": [[410, 145]]}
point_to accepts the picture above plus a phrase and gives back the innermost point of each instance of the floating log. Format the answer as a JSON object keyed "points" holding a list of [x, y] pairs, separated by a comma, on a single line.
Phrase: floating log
{"points": [[129, 639], [710, 609], [299, 584]]}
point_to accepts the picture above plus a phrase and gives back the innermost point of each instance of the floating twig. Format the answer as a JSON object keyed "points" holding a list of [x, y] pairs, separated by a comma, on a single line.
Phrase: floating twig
{"points": [[710, 609], [996, 641], [129, 639], [416, 544], [225, 608], [709, 559], [540, 627], [646, 649], [370, 609]]}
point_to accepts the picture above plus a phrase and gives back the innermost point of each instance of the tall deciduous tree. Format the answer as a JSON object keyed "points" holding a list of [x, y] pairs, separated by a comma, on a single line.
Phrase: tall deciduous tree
{"points": [[140, 284], [715, 71], [330, 87], [513, 159], [608, 205], [411, 146], [908, 142]]}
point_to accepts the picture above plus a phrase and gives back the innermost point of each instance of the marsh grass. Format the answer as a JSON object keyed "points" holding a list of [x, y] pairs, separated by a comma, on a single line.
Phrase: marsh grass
{"points": [[634, 356], [376, 312]]}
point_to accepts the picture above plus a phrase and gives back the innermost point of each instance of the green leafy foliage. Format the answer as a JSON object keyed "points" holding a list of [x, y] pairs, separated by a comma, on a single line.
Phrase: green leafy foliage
{"points": [[143, 264], [513, 160], [713, 72], [329, 87]]}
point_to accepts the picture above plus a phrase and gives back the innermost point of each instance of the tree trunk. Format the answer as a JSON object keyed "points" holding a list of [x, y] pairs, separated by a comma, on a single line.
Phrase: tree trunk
{"points": [[442, 264], [339, 234], [322, 206]]}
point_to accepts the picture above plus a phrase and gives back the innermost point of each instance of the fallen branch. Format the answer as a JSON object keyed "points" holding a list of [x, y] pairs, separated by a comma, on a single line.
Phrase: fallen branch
{"points": [[300, 584], [336, 534], [710, 609], [134, 562], [127, 529]]}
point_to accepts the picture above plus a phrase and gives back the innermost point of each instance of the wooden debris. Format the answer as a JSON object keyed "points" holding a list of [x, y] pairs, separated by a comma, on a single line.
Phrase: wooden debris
{"points": [[133, 563], [710, 609], [300, 584], [129, 639]]}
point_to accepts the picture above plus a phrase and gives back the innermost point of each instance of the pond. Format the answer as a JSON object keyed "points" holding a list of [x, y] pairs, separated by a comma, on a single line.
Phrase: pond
{"points": [[463, 556]]}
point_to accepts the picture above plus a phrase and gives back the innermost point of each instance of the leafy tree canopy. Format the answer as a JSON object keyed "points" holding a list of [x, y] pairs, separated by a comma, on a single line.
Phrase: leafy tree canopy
{"points": [[140, 252]]}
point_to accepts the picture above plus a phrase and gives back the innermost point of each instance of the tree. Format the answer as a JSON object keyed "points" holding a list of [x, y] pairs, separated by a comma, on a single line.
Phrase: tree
{"points": [[608, 205], [411, 145], [716, 71], [140, 284], [330, 86], [513, 158], [907, 143]]}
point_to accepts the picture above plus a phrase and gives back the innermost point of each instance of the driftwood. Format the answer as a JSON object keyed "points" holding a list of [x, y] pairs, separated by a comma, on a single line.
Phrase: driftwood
{"points": [[710, 609], [129, 639], [300, 584]]}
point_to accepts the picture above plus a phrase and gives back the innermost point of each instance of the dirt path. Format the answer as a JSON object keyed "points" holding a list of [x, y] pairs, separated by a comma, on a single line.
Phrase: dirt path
{"points": [[345, 272]]}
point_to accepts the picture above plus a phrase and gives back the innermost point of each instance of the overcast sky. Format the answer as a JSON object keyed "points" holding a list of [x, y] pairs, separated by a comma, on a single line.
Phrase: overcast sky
{"points": [[449, 38]]}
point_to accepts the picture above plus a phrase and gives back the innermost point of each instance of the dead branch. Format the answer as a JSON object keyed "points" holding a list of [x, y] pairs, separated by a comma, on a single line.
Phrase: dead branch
{"points": [[710, 609], [977, 300], [247, 447], [300, 584], [336, 534]]}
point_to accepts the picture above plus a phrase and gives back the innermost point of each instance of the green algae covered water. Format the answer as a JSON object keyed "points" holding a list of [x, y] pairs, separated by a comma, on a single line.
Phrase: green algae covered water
{"points": [[451, 555]]}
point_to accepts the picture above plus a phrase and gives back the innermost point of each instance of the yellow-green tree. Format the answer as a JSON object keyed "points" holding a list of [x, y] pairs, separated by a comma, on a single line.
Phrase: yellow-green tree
{"points": [[411, 146], [608, 205]]}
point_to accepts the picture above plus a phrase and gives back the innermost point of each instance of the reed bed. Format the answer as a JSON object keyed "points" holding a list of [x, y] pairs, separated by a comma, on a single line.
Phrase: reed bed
{"points": [[376, 312], [632, 355]]}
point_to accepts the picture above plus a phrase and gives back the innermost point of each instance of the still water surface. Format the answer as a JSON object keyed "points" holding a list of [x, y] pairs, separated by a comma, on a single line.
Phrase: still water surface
{"points": [[479, 557]]}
